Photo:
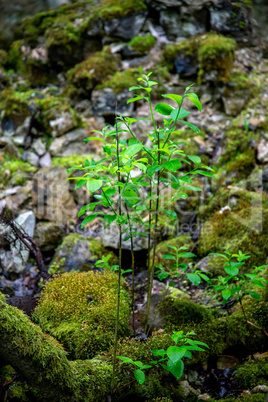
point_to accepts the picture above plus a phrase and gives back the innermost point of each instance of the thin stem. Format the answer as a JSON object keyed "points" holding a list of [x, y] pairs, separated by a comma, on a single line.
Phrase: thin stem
{"points": [[107, 199], [120, 262], [243, 311], [133, 271], [149, 252]]}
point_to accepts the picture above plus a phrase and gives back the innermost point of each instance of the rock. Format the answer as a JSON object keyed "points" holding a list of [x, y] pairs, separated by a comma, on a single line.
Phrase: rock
{"points": [[32, 158], [14, 261], [23, 130], [78, 253], [110, 238], [71, 143], [235, 103], [262, 150], [11, 149], [106, 101], [52, 200], [177, 25], [231, 19], [62, 124], [125, 28], [45, 160], [225, 362], [203, 397], [260, 389], [48, 235], [39, 147], [185, 65], [18, 198]]}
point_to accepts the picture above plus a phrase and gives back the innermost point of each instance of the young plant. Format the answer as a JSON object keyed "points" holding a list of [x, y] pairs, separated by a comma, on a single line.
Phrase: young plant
{"points": [[237, 285], [180, 267], [169, 359]]}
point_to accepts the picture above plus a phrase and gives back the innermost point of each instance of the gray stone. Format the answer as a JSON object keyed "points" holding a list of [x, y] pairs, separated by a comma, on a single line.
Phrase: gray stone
{"points": [[233, 104], [24, 129], [39, 147], [62, 124], [177, 25], [227, 18], [32, 158], [48, 235], [262, 150], [14, 261], [71, 143], [110, 238], [125, 28], [52, 200], [106, 101], [45, 160]]}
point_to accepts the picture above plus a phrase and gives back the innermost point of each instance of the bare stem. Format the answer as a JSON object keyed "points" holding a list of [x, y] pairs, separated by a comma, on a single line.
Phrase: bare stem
{"points": [[133, 271]]}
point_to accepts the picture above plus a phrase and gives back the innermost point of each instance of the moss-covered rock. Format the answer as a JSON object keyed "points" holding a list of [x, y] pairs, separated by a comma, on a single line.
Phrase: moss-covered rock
{"points": [[79, 309], [78, 253], [252, 373], [122, 80], [142, 44], [16, 173], [240, 226], [176, 312], [94, 70], [3, 57], [213, 53]]}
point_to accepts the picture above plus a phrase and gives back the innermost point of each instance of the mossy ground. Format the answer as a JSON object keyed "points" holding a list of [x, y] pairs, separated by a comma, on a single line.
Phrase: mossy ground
{"points": [[122, 80], [252, 373], [79, 310]]}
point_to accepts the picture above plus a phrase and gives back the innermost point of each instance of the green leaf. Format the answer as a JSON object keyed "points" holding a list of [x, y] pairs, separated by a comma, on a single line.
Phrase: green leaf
{"points": [[164, 109], [94, 185], [132, 150], [125, 359], [133, 88], [233, 271], [192, 126], [153, 169], [175, 353], [226, 294], [162, 275], [183, 113], [194, 278], [192, 188], [152, 83], [159, 352], [254, 295], [186, 255], [109, 218], [176, 98], [195, 159], [169, 257], [196, 102], [140, 376], [220, 255], [80, 183], [88, 219], [134, 99], [93, 139], [182, 195], [170, 214], [173, 165], [175, 369], [203, 173]]}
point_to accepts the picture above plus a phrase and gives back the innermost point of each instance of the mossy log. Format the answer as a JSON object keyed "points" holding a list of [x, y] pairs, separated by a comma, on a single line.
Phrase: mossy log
{"points": [[42, 362]]}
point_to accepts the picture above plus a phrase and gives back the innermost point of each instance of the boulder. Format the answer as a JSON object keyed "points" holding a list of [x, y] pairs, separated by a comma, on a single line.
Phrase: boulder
{"points": [[48, 235], [52, 200], [110, 238], [105, 102], [71, 143], [14, 260], [125, 28]]}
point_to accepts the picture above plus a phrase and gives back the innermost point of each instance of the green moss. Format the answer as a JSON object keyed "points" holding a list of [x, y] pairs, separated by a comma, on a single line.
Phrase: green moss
{"points": [[211, 51], [238, 168], [94, 70], [142, 44], [109, 9], [70, 160], [243, 228], [177, 312], [79, 309], [246, 398], [19, 170], [15, 105], [241, 80], [122, 80], [252, 373], [3, 57]]}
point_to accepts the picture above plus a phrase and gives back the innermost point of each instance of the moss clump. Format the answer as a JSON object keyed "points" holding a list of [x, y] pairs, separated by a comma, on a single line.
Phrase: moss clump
{"points": [[94, 70], [122, 80], [3, 57], [211, 52], [16, 172], [142, 44], [238, 168], [216, 53], [79, 309], [109, 9], [177, 312], [70, 160], [243, 228], [15, 105], [252, 373]]}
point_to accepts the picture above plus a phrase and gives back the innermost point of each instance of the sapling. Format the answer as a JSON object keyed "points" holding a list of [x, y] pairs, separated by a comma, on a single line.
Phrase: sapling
{"points": [[169, 359]]}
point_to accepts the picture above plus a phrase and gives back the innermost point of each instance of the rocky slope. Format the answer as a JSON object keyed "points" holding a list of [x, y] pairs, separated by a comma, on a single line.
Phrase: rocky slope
{"points": [[63, 76]]}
